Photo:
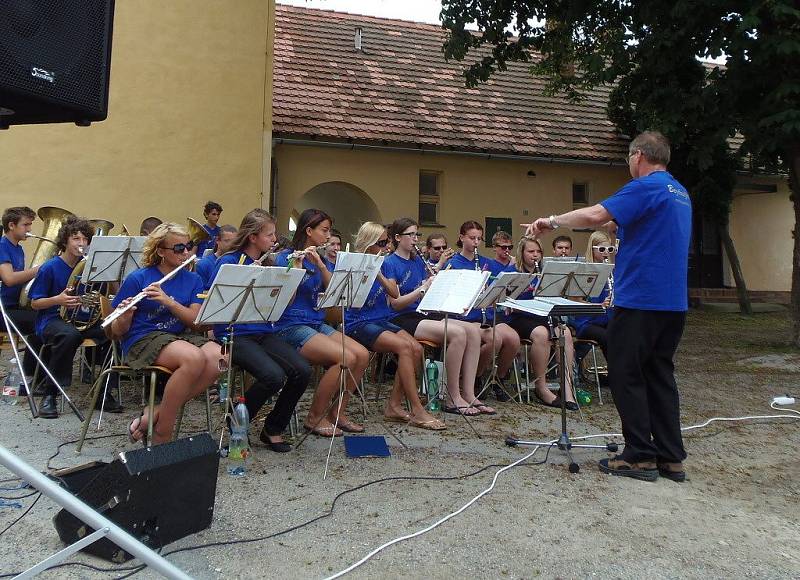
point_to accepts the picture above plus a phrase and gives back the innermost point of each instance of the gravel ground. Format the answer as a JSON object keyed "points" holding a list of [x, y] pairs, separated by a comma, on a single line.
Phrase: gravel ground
{"points": [[735, 517]]}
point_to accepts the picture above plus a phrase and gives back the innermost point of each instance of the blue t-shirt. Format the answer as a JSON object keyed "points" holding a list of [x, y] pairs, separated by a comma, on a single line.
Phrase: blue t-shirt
{"points": [[211, 241], [409, 275], [496, 268], [581, 322], [51, 280], [11, 253], [206, 269], [221, 330], [303, 310], [150, 316], [654, 214], [459, 262], [376, 307]]}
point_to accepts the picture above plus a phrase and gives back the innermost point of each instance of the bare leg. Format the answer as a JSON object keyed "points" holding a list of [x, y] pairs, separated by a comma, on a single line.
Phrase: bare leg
{"points": [[408, 354]]}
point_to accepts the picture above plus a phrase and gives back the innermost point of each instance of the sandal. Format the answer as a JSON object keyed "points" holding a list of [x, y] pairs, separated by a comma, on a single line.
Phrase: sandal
{"points": [[462, 411], [431, 424], [324, 431], [484, 409], [672, 471], [398, 418], [351, 427], [556, 403], [131, 430], [643, 470]]}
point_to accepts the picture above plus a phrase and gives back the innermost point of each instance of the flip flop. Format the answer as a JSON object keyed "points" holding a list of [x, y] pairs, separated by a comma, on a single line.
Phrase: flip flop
{"points": [[460, 411], [398, 418], [324, 431], [431, 424], [131, 438], [481, 407], [351, 427]]}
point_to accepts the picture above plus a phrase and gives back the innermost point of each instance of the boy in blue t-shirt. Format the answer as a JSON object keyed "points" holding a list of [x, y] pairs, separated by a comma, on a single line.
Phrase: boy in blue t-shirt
{"points": [[52, 289], [207, 265], [212, 211], [17, 225]]}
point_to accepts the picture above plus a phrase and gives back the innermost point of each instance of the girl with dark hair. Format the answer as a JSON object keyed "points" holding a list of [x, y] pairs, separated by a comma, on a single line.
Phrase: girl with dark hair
{"points": [[506, 342], [49, 292], [275, 365], [160, 330], [303, 326], [407, 270]]}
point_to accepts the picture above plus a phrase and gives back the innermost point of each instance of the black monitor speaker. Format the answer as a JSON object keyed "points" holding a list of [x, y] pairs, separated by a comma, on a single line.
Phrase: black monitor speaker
{"points": [[55, 58], [158, 495]]}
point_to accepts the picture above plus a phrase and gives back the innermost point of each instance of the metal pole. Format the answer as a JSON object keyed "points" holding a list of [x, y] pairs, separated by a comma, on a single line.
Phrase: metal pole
{"points": [[88, 515]]}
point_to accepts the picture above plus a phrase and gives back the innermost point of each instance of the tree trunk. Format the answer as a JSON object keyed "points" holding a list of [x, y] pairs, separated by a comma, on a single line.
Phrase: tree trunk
{"points": [[793, 159], [736, 269]]}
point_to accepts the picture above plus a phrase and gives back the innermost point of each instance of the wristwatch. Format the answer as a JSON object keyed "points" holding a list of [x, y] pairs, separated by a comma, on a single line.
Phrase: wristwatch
{"points": [[421, 291], [553, 224]]}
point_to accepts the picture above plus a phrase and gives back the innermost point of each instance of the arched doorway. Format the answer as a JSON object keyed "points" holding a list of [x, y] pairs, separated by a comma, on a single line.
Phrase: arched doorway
{"points": [[347, 204]]}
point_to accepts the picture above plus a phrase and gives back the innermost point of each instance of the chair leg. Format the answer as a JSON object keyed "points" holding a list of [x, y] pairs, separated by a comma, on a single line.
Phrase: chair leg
{"points": [[151, 405], [208, 410], [596, 375], [527, 375], [516, 378]]}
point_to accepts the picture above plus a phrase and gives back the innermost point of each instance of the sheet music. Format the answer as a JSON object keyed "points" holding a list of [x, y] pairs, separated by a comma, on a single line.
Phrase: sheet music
{"points": [[249, 293], [554, 305], [512, 283], [453, 291], [570, 278], [589, 279], [361, 269], [112, 258]]}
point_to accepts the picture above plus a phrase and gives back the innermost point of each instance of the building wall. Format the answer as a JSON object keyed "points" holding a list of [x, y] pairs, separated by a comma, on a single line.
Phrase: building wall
{"points": [[471, 188], [189, 110], [761, 227]]}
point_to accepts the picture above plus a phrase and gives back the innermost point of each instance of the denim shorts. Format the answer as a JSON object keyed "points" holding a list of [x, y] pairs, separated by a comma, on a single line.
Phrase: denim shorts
{"points": [[366, 334], [299, 334]]}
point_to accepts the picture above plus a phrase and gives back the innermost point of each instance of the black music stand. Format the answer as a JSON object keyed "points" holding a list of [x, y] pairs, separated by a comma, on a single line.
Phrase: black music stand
{"points": [[574, 279], [348, 287], [246, 294]]}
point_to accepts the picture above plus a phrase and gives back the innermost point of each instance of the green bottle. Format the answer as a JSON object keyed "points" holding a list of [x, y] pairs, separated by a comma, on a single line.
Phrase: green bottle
{"points": [[432, 375]]}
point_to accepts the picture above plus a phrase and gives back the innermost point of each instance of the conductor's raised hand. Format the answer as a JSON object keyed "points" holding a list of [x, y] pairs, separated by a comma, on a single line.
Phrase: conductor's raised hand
{"points": [[537, 227]]}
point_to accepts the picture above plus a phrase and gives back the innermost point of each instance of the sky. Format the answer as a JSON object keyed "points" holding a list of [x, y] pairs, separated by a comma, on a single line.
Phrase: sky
{"points": [[414, 10]]}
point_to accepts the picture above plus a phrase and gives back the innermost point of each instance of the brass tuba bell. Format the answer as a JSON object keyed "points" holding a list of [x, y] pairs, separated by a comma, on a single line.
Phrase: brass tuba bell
{"points": [[197, 233], [52, 217], [101, 227]]}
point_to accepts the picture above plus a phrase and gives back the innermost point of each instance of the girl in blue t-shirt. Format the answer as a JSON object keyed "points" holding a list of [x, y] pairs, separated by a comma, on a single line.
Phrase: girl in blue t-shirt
{"points": [[155, 331], [536, 329], [407, 269], [276, 365], [303, 326], [506, 341], [370, 326]]}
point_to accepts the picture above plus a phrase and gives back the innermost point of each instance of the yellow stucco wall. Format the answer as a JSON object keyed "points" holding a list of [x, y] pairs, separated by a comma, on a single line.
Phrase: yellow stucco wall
{"points": [[471, 188], [190, 107], [761, 227]]}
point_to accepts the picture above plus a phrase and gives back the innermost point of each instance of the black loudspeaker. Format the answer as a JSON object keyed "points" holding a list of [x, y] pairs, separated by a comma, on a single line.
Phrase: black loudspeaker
{"points": [[55, 57], [158, 495]]}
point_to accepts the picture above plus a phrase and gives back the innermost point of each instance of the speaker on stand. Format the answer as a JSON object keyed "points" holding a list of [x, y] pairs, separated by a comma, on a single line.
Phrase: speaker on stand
{"points": [[55, 59]]}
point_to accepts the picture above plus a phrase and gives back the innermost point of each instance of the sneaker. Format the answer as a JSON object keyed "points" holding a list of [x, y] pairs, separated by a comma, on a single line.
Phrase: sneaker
{"points": [[643, 470]]}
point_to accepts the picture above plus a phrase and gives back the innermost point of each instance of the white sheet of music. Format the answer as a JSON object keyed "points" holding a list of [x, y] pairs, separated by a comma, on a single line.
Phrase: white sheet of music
{"points": [[453, 291], [112, 258], [513, 283], [364, 268]]}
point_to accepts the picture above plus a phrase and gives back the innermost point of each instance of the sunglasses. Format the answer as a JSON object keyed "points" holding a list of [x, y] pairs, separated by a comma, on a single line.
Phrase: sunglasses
{"points": [[382, 243], [411, 234], [439, 248], [605, 249], [180, 248], [504, 247]]}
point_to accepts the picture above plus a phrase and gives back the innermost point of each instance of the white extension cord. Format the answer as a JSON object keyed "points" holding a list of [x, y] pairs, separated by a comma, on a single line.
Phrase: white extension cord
{"points": [[780, 400]]}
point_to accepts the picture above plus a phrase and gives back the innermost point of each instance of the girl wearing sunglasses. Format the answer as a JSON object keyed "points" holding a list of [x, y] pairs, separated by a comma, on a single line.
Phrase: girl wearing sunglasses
{"points": [[370, 326], [599, 249], [160, 330]]}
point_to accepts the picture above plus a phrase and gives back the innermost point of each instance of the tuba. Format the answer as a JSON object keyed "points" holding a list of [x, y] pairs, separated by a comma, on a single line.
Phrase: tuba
{"points": [[101, 227], [197, 233], [52, 217]]}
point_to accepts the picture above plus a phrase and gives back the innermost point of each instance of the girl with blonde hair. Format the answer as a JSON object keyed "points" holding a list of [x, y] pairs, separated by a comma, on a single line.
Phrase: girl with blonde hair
{"points": [[370, 326], [159, 329], [599, 249]]}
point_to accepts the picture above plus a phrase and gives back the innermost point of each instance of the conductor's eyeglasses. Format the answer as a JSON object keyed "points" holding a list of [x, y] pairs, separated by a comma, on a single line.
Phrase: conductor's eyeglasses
{"points": [[605, 249], [180, 248]]}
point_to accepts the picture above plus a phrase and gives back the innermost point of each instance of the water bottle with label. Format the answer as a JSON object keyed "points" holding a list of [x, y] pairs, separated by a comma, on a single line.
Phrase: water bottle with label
{"points": [[432, 376], [13, 386], [239, 447]]}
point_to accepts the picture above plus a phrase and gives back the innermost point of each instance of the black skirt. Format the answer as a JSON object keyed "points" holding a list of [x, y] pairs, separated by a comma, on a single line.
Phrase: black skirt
{"points": [[410, 320]]}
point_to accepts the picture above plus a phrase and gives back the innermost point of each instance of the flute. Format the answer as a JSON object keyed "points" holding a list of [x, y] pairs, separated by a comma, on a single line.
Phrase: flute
{"points": [[299, 254], [141, 295]]}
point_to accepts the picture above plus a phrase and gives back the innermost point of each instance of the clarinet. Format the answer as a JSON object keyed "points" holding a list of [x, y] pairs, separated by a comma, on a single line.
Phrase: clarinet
{"points": [[610, 284], [484, 324]]}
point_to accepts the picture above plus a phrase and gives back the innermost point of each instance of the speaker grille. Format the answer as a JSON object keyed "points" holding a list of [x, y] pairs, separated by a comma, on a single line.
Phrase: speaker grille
{"points": [[57, 52]]}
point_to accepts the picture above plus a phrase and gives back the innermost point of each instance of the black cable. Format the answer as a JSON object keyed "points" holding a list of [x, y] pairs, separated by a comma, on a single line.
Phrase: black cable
{"points": [[58, 449], [25, 513], [34, 492]]}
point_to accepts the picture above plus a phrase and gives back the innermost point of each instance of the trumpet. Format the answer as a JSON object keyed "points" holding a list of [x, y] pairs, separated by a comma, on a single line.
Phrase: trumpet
{"points": [[141, 295], [431, 271]]}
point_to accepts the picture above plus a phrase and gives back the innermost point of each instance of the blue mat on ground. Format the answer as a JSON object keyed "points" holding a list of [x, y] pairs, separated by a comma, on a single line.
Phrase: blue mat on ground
{"points": [[366, 446]]}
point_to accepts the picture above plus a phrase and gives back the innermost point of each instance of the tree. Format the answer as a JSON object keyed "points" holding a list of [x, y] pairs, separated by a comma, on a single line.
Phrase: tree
{"points": [[627, 43]]}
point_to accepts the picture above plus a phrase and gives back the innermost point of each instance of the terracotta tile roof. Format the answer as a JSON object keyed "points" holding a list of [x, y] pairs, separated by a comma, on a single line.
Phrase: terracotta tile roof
{"points": [[399, 90]]}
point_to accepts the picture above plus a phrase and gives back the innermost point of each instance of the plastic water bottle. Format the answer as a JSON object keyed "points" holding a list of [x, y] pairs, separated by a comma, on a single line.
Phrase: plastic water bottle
{"points": [[239, 448], [13, 386], [432, 375], [222, 388]]}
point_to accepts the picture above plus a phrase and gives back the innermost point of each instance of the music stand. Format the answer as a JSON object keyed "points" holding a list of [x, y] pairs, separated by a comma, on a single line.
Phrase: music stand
{"points": [[246, 294], [12, 330], [453, 292], [507, 285], [558, 280], [349, 286]]}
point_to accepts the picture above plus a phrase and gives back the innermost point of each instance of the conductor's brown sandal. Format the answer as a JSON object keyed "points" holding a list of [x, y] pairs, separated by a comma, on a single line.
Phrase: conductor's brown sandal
{"points": [[643, 470]]}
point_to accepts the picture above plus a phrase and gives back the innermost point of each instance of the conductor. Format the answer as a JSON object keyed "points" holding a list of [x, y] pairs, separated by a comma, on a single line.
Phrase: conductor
{"points": [[653, 213]]}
